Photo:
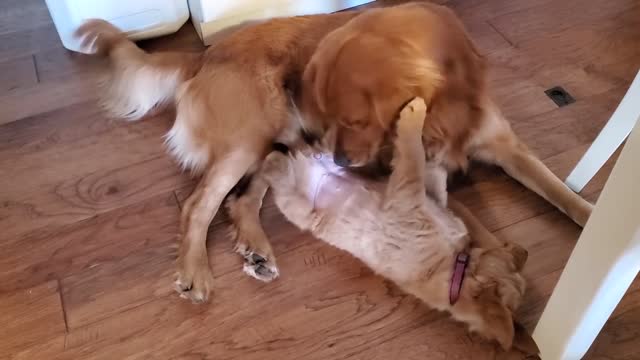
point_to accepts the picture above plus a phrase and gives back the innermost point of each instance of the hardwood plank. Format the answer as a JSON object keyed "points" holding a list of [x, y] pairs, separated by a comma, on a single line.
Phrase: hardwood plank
{"points": [[499, 201], [29, 317], [441, 339], [485, 10], [21, 15], [608, 47], [580, 80], [56, 252], [16, 74], [158, 264], [550, 17], [127, 165], [618, 339], [47, 96], [29, 41], [59, 63], [517, 95], [562, 129]]}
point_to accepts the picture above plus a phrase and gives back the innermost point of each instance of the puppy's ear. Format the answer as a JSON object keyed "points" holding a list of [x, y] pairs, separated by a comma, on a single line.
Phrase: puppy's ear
{"points": [[519, 254], [497, 322], [523, 341], [318, 72], [524, 347]]}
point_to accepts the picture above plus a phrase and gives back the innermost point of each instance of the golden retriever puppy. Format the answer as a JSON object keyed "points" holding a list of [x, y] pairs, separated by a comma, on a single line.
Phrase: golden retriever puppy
{"points": [[405, 235], [363, 72]]}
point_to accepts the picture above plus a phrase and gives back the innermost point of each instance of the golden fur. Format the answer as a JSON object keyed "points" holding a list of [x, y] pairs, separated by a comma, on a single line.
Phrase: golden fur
{"points": [[401, 233], [364, 72], [347, 75], [233, 102]]}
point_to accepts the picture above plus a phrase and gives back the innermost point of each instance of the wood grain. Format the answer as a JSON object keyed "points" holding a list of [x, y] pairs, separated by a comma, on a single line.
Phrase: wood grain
{"points": [[56, 252], [21, 15], [125, 157], [29, 317], [89, 208], [17, 73]]}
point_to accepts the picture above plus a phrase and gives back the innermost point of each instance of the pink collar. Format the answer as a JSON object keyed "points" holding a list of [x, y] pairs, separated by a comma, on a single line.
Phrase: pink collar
{"points": [[462, 260]]}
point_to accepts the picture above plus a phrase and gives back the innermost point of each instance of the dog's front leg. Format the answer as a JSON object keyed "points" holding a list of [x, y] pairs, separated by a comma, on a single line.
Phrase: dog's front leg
{"points": [[251, 241], [194, 279]]}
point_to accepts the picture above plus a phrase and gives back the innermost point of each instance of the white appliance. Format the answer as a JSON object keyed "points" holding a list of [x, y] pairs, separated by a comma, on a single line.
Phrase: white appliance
{"points": [[140, 19], [210, 16]]}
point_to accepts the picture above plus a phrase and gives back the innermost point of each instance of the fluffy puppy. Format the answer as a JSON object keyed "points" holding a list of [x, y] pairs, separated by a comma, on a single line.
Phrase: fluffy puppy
{"points": [[405, 235]]}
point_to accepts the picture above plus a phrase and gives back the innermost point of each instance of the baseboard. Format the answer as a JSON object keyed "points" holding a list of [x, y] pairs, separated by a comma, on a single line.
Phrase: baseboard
{"points": [[263, 9]]}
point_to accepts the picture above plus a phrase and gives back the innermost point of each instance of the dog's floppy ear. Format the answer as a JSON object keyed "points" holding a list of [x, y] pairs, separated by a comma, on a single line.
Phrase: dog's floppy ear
{"points": [[317, 73]]}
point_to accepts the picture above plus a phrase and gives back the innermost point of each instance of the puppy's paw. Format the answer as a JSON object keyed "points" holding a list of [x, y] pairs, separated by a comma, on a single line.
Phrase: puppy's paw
{"points": [[275, 166], [194, 282], [412, 115], [258, 264]]}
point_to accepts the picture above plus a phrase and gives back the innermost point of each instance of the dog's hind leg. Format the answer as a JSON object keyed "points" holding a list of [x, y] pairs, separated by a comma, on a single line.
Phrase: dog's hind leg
{"points": [[194, 279], [251, 241], [504, 149]]}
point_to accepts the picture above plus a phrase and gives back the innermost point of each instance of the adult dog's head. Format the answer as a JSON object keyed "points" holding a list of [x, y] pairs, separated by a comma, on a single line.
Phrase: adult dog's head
{"points": [[364, 72]]}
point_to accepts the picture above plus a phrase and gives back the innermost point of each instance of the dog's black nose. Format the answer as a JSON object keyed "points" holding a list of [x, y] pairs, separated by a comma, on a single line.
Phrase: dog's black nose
{"points": [[341, 159]]}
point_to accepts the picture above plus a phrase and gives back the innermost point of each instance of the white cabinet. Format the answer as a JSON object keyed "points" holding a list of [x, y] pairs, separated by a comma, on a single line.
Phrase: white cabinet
{"points": [[210, 16], [139, 18]]}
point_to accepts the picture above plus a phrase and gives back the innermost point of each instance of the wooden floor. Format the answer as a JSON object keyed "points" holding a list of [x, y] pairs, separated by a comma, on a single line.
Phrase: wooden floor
{"points": [[89, 208]]}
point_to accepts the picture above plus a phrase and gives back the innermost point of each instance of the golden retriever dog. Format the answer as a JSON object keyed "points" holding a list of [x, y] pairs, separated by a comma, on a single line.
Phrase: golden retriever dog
{"points": [[339, 78], [362, 73], [232, 104], [405, 235]]}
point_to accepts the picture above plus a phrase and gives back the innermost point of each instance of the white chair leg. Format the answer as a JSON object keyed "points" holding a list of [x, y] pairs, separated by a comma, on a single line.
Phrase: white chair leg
{"points": [[602, 266], [612, 135]]}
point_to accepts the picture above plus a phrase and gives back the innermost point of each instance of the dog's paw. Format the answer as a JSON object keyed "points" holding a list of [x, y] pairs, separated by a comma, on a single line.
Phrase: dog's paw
{"points": [[412, 115], [194, 283], [258, 264]]}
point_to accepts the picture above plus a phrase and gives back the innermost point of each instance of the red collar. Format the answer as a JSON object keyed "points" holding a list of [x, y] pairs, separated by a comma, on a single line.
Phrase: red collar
{"points": [[462, 260]]}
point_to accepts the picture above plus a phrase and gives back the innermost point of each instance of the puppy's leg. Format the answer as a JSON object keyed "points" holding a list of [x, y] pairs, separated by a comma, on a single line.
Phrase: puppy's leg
{"points": [[291, 184], [481, 237], [409, 166], [479, 234], [507, 151], [251, 241], [194, 279]]}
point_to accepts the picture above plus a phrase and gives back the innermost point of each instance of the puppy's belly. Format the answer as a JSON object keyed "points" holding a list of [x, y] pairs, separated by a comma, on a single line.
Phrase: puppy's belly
{"points": [[335, 192]]}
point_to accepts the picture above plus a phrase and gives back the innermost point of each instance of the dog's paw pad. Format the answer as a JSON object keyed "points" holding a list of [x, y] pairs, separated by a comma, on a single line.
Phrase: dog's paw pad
{"points": [[260, 267]]}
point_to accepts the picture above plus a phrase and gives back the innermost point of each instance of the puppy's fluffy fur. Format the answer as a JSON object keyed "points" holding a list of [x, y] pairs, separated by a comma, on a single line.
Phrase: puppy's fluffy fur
{"points": [[403, 234]]}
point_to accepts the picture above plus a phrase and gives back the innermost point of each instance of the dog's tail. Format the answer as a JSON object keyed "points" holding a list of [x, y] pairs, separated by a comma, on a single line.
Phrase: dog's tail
{"points": [[137, 81]]}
